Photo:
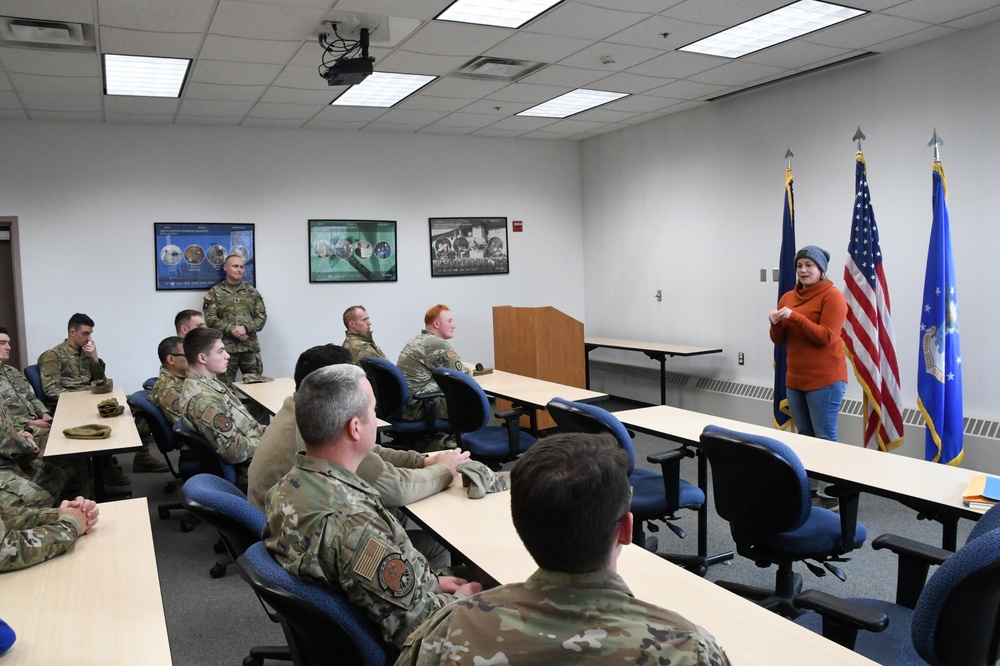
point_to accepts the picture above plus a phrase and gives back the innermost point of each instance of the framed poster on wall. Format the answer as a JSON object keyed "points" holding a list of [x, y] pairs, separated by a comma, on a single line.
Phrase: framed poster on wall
{"points": [[190, 255], [468, 246], [352, 251]]}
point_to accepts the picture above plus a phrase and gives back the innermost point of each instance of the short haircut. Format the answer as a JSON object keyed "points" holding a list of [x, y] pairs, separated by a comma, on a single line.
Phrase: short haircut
{"points": [[169, 346], [327, 401], [233, 254], [568, 493], [199, 341], [434, 313], [183, 318], [318, 357], [78, 320], [4, 331], [349, 315]]}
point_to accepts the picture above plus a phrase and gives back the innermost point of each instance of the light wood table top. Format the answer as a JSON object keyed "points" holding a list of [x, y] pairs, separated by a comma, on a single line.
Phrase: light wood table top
{"points": [[531, 392], [271, 395], [483, 531], [99, 603], [668, 348], [887, 474], [79, 408]]}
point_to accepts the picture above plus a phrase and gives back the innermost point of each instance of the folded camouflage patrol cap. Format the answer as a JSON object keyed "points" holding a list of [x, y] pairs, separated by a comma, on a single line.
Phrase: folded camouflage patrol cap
{"points": [[256, 379], [480, 479], [105, 385], [88, 431], [110, 407]]}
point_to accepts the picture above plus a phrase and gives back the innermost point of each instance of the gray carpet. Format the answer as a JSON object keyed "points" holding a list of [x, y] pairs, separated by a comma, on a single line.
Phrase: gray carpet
{"points": [[215, 622]]}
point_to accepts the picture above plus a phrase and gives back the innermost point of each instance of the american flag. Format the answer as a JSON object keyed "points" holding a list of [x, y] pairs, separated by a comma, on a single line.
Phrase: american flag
{"points": [[868, 338]]}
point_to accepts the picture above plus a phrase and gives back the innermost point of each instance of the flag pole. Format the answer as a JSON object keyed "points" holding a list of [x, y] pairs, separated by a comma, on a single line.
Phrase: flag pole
{"points": [[789, 155], [859, 136], [936, 142]]}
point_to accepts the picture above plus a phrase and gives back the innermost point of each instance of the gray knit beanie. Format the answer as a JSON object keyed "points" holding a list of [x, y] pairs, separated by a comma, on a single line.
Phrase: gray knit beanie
{"points": [[816, 254]]}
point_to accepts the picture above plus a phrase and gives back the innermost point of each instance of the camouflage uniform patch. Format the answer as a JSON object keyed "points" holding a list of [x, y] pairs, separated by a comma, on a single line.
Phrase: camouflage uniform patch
{"points": [[213, 411]]}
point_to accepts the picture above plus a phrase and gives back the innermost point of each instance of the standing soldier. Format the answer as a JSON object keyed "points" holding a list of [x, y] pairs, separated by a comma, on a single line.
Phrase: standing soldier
{"points": [[358, 336], [237, 309]]}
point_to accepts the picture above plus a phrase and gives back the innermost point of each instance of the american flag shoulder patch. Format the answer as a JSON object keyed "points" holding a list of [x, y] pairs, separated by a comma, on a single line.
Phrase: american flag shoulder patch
{"points": [[367, 562]]}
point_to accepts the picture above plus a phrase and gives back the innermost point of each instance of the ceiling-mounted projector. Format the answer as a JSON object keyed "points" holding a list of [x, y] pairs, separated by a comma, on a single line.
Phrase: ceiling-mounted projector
{"points": [[349, 71]]}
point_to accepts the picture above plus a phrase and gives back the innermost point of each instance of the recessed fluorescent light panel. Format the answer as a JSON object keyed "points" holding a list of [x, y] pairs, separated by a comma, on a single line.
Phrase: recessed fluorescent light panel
{"points": [[502, 13], [144, 76], [576, 101], [382, 89], [781, 25]]}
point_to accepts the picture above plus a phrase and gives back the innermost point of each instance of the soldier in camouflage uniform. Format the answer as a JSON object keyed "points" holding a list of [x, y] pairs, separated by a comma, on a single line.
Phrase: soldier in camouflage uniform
{"points": [[358, 336], [166, 392], [574, 519], [327, 526], [422, 355], [73, 365], [211, 409], [237, 309], [31, 536], [16, 395], [25, 480]]}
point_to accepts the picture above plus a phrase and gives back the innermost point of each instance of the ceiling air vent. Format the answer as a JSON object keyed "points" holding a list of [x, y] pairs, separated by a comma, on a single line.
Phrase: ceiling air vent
{"points": [[497, 69], [33, 33]]}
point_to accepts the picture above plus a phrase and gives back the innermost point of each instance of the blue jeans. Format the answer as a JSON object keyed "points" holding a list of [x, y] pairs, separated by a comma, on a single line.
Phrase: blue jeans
{"points": [[815, 412]]}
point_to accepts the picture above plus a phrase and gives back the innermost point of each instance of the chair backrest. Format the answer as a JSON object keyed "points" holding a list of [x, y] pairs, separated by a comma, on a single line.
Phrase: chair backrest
{"points": [[580, 417], [202, 449], [34, 377], [759, 484], [468, 406], [388, 384], [957, 617], [149, 383], [163, 433], [319, 623], [224, 506], [988, 522]]}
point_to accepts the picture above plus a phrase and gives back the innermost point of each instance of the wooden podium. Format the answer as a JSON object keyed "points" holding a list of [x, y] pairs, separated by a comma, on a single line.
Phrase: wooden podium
{"points": [[543, 343]]}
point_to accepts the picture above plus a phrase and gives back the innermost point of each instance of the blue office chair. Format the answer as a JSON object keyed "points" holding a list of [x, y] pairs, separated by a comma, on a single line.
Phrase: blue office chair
{"points": [[34, 377], [761, 488], [208, 460], [163, 435], [952, 620], [391, 395], [320, 624], [655, 496], [469, 415], [149, 383]]}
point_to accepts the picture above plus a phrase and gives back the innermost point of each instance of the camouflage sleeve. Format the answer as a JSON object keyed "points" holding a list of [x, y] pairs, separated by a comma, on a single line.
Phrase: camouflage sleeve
{"points": [[415, 654], [14, 445], [400, 457], [23, 388], [31, 536], [210, 310], [446, 357], [233, 441], [400, 486], [49, 369], [258, 317], [98, 371], [396, 589]]}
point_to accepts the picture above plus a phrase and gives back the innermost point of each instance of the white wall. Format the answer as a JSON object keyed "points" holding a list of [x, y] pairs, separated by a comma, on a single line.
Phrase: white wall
{"points": [[87, 196], [691, 204]]}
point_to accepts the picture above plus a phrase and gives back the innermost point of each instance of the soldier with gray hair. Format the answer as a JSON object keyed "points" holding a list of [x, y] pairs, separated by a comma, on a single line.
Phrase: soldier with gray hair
{"points": [[569, 502], [328, 526]]}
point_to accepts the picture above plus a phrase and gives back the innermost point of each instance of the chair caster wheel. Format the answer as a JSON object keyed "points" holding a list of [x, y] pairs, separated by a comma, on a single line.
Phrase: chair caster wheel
{"points": [[218, 571], [252, 661], [163, 513], [187, 526], [219, 547]]}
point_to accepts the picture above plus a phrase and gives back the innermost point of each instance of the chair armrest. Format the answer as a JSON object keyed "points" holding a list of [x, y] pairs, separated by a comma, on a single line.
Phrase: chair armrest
{"points": [[510, 414], [430, 414], [848, 507], [915, 559], [512, 422], [669, 456], [670, 468], [841, 617]]}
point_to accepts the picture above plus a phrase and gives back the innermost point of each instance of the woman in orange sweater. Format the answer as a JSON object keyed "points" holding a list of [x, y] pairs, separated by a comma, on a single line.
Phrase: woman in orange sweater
{"points": [[808, 321]]}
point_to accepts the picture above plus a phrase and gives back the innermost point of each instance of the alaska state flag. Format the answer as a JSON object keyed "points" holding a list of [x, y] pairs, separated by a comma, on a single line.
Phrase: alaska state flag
{"points": [[939, 370], [786, 282]]}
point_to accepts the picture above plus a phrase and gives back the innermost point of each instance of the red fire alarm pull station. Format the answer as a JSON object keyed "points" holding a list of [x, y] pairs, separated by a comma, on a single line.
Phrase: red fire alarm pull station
{"points": [[517, 225]]}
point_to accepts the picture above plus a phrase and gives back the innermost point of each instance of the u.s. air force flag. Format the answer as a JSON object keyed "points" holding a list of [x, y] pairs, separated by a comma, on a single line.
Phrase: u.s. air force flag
{"points": [[939, 374]]}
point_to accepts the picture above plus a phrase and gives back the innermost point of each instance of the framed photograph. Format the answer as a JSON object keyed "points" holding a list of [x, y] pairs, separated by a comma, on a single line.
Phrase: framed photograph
{"points": [[190, 255], [352, 251], [468, 246]]}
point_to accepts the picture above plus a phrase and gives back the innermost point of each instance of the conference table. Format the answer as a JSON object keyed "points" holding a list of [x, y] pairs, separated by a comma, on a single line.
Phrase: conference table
{"points": [[271, 395], [78, 408], [482, 531], [530, 393], [98, 603], [658, 351], [930, 487]]}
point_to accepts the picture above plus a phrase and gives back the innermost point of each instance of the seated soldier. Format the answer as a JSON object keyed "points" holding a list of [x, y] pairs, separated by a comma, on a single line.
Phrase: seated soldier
{"points": [[30, 536], [421, 355], [328, 526], [211, 409], [25, 480], [569, 500], [23, 406], [358, 338], [166, 392], [186, 320]]}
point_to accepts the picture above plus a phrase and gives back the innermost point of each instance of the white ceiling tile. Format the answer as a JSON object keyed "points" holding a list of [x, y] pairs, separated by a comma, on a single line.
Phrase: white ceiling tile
{"points": [[285, 111], [537, 48], [350, 113], [528, 93], [935, 11], [235, 49], [495, 133], [12, 114], [650, 6], [66, 116], [640, 104], [489, 107], [204, 107], [454, 39], [60, 102], [173, 16], [619, 56], [453, 86], [571, 19], [307, 78], [273, 22], [429, 103], [379, 126], [407, 62], [649, 33], [234, 73], [5, 83], [72, 11], [603, 114], [9, 100], [334, 125], [217, 121], [557, 75], [468, 120], [523, 123], [140, 105], [864, 31], [418, 9], [676, 65], [318, 98], [223, 93], [57, 85], [684, 89], [443, 130], [571, 126], [50, 63], [315, 4], [255, 121], [976, 20], [722, 13], [795, 54], [138, 42], [629, 83], [412, 117], [139, 118], [925, 35], [737, 73]]}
